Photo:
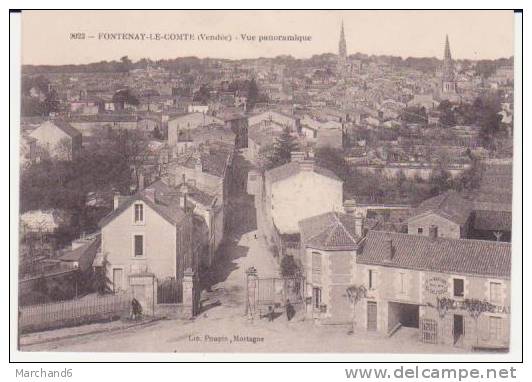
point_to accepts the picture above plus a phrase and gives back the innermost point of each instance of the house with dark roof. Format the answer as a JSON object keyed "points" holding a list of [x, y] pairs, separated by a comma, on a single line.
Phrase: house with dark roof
{"points": [[328, 255], [58, 138], [448, 213], [452, 291], [150, 233]]}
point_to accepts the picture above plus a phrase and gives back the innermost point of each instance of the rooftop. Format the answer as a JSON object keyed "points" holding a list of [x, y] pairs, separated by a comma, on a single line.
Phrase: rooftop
{"points": [[329, 231], [448, 205], [165, 203], [444, 255], [293, 168]]}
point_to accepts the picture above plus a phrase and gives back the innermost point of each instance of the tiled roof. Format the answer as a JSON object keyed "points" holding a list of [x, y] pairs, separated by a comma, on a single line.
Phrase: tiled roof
{"points": [[329, 231], [84, 254], [197, 195], [493, 220], [293, 168], [444, 255], [166, 203], [448, 205]]}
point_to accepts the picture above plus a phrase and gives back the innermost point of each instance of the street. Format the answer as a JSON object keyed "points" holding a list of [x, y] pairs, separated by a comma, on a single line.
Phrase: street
{"points": [[222, 325]]}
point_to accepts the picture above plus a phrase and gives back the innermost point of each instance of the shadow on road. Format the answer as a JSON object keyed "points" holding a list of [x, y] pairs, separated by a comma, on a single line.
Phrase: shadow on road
{"points": [[240, 219]]}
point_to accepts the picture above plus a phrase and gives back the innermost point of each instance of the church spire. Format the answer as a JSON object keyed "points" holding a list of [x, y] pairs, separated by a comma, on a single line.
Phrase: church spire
{"points": [[447, 53], [448, 80], [342, 52]]}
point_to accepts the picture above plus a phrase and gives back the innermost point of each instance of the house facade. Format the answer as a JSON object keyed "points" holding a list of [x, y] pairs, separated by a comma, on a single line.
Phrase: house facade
{"points": [[452, 291], [189, 122], [448, 214], [298, 190], [149, 233], [328, 251]]}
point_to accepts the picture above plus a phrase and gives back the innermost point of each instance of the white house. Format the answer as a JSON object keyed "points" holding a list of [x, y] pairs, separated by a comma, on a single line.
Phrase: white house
{"points": [[58, 138], [150, 232], [298, 190]]}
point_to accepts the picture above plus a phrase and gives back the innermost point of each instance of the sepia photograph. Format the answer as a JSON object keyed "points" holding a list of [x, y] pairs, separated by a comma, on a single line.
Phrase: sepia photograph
{"points": [[267, 182]]}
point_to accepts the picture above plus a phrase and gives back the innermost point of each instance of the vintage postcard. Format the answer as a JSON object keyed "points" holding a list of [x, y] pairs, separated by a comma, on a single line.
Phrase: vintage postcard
{"points": [[266, 182]]}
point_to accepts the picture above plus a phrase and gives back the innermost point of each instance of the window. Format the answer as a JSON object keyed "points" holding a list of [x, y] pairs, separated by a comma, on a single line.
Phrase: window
{"points": [[316, 294], [420, 231], [458, 287], [495, 327], [402, 283], [139, 213], [495, 293], [138, 245], [372, 279], [316, 263]]}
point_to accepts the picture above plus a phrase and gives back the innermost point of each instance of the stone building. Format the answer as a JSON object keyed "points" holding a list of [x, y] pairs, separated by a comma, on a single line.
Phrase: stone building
{"points": [[452, 291]]}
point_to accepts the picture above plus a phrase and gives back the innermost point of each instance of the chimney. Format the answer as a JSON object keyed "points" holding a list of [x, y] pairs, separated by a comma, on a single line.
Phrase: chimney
{"points": [[116, 200], [297, 156], [433, 232], [390, 250], [350, 206], [359, 224], [150, 193], [306, 165]]}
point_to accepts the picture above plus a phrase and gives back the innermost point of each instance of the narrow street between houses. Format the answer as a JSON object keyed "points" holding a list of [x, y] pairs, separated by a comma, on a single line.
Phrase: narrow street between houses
{"points": [[222, 325]]}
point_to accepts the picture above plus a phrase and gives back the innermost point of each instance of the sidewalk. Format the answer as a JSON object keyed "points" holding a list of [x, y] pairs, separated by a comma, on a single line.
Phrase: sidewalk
{"points": [[82, 330]]}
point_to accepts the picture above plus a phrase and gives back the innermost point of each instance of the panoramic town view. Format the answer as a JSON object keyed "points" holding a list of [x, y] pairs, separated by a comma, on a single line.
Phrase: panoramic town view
{"points": [[344, 202]]}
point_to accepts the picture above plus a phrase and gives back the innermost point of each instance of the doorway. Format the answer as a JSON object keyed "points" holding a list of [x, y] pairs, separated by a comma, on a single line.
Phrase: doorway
{"points": [[458, 327], [117, 279], [372, 316], [407, 315]]}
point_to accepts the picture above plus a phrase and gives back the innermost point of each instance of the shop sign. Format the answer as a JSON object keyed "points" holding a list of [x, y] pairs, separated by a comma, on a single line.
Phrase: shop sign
{"points": [[436, 285]]}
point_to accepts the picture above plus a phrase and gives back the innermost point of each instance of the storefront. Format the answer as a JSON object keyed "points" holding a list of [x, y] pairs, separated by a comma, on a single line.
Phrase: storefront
{"points": [[453, 291]]}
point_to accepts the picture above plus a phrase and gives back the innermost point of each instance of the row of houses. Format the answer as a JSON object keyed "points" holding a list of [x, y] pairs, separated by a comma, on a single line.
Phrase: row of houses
{"points": [[433, 272]]}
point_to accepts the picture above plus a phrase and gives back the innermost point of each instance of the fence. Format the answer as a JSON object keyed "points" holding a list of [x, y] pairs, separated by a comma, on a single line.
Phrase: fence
{"points": [[88, 309], [169, 291]]}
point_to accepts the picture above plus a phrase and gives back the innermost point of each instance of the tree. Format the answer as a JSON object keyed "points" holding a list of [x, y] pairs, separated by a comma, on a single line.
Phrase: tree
{"points": [[125, 64], [284, 145], [447, 117], [334, 160], [203, 95], [101, 282], [439, 180], [253, 94], [355, 293], [125, 96], [289, 266], [475, 308], [134, 146]]}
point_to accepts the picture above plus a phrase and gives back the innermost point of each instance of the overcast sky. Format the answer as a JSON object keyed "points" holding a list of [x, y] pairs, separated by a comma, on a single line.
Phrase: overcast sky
{"points": [[472, 34]]}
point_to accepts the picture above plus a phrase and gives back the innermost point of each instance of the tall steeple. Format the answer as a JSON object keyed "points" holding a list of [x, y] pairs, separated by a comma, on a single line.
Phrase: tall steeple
{"points": [[447, 52], [448, 80], [342, 51]]}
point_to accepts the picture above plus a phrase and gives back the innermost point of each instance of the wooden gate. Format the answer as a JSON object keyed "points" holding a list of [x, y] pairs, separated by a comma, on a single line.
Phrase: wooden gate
{"points": [[428, 330]]}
